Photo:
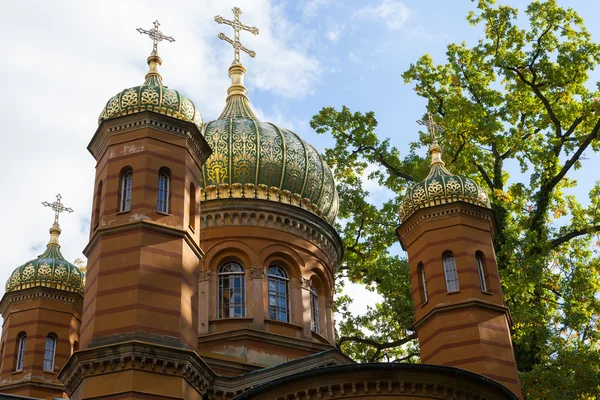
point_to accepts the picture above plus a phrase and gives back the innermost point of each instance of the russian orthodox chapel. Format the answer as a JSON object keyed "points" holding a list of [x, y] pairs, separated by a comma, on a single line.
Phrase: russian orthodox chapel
{"points": [[211, 262]]}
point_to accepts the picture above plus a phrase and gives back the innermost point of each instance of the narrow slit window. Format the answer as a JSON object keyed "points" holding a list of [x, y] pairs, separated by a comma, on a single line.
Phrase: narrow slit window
{"points": [[450, 273], [279, 294], [22, 343], [162, 200], [231, 301], [314, 309], [49, 353], [125, 189], [98, 199], [481, 271], [192, 216], [422, 284]]}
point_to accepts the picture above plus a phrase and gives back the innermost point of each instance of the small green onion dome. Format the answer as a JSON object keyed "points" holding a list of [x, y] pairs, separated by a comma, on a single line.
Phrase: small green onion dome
{"points": [[152, 95], [255, 159], [441, 187], [50, 269]]}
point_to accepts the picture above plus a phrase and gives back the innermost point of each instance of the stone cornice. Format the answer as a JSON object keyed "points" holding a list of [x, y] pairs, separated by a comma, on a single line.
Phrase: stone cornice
{"points": [[287, 218], [149, 119], [424, 215], [182, 233], [441, 308], [258, 272], [264, 337], [137, 355], [37, 293]]}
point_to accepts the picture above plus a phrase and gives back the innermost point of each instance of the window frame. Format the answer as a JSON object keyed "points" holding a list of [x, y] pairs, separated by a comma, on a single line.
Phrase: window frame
{"points": [[284, 279], [315, 322], [423, 293], [98, 201], [479, 260], [192, 207], [52, 351], [163, 194], [125, 189], [231, 277], [21, 346], [450, 272]]}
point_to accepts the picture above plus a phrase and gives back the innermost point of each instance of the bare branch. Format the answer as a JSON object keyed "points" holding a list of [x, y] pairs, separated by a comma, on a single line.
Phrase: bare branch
{"points": [[573, 234], [373, 343]]}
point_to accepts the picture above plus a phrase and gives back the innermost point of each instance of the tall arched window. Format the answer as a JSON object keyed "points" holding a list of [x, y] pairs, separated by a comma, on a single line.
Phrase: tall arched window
{"points": [[20, 358], [50, 352], [279, 294], [192, 216], [481, 270], [314, 309], [450, 272], [97, 209], [164, 182], [231, 301], [422, 284], [125, 189]]}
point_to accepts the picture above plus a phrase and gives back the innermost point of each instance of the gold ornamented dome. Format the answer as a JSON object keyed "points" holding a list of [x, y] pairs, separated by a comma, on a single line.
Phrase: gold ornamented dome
{"points": [[152, 95], [50, 269], [441, 187], [255, 159]]}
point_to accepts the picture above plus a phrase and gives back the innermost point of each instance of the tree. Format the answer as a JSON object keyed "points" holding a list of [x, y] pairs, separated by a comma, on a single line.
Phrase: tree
{"points": [[521, 95]]}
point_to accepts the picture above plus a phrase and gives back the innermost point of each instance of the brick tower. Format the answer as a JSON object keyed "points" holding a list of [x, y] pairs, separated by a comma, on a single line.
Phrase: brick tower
{"points": [[447, 228], [42, 315], [140, 326]]}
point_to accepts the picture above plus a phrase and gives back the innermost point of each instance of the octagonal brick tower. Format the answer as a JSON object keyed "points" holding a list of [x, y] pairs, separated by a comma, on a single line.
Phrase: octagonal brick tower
{"points": [[139, 327], [268, 202], [447, 228]]}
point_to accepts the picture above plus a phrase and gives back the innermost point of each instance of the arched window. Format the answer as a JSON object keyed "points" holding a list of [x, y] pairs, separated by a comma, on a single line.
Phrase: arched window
{"points": [[279, 294], [481, 270], [164, 182], [450, 272], [125, 189], [75, 346], [21, 344], [50, 352], [97, 209], [314, 309], [192, 216], [231, 301], [422, 284]]}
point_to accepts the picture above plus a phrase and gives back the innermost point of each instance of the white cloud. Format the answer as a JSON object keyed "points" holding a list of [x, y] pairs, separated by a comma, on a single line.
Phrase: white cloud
{"points": [[334, 32], [70, 57], [393, 13], [354, 58], [310, 8]]}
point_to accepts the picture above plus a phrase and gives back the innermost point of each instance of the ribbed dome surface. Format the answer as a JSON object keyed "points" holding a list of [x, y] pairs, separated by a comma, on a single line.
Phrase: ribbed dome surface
{"points": [[261, 160], [50, 269]]}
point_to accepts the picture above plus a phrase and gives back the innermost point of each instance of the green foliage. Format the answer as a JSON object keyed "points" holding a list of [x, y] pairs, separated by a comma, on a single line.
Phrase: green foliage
{"points": [[520, 96]]}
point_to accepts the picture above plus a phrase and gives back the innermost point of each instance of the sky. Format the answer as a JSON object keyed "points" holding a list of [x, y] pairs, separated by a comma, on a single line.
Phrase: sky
{"points": [[62, 60]]}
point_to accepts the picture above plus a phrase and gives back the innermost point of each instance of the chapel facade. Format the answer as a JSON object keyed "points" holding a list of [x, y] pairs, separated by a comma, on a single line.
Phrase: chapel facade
{"points": [[211, 262]]}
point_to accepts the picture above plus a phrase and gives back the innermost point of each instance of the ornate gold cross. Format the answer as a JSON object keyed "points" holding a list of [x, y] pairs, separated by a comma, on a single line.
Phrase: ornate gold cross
{"points": [[58, 207], [155, 35], [237, 28], [431, 127]]}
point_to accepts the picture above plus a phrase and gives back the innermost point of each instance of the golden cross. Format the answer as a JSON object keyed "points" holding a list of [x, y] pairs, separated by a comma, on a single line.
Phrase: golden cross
{"points": [[431, 127], [155, 35], [237, 28], [58, 207]]}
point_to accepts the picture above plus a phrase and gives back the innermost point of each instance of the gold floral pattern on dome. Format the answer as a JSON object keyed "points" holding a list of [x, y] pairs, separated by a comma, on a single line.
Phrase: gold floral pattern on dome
{"points": [[441, 187], [261, 160], [152, 95], [49, 270]]}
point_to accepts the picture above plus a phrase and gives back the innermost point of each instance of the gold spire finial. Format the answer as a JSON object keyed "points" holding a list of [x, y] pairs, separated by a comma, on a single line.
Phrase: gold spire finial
{"points": [[58, 207], [154, 61], [434, 150], [237, 28]]}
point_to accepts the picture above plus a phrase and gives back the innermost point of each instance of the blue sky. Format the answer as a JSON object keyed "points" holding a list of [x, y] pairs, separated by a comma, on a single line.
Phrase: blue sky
{"points": [[62, 60]]}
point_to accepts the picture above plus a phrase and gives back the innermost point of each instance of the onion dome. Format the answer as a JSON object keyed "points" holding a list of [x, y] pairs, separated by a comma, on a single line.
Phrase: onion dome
{"points": [[48, 270], [255, 159], [152, 95], [441, 187]]}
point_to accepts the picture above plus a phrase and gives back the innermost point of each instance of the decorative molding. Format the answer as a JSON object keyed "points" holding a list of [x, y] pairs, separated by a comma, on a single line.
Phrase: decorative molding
{"points": [[329, 303], [154, 121], [136, 355], [464, 304], [305, 283], [205, 275], [252, 212], [258, 272], [37, 293]]}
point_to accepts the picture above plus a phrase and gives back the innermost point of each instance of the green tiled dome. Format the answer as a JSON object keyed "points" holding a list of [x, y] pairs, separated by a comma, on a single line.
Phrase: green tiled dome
{"points": [[152, 95], [50, 270], [261, 160], [441, 187]]}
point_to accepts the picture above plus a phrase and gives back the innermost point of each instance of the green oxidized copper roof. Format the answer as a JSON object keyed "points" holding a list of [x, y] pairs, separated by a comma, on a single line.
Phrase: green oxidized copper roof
{"points": [[152, 95], [257, 159], [50, 269], [441, 187]]}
